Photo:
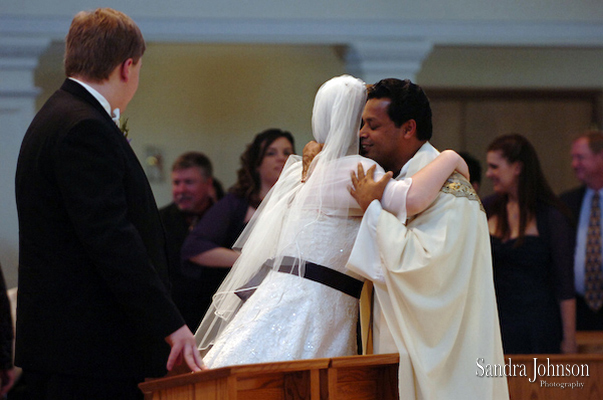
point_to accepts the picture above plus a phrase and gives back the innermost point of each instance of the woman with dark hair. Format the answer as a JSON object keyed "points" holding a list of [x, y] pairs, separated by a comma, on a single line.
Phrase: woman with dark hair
{"points": [[207, 253], [261, 164], [532, 249]]}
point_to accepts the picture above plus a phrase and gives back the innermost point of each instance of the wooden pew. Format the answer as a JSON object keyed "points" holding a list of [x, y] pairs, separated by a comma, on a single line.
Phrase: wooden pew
{"points": [[361, 377], [349, 378], [273, 381], [590, 341], [579, 382], [373, 377]]}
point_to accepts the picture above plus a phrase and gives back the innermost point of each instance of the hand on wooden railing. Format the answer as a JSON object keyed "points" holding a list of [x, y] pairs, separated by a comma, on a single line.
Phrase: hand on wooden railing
{"points": [[184, 348]]}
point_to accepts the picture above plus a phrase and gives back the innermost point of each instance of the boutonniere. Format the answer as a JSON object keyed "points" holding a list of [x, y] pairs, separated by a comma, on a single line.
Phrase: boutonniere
{"points": [[125, 129]]}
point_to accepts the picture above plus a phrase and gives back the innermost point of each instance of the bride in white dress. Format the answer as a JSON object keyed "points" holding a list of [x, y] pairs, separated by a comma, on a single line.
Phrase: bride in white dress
{"points": [[299, 241]]}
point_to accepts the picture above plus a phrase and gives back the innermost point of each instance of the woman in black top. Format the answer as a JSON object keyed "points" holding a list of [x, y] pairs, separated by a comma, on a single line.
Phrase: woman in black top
{"points": [[532, 249]]}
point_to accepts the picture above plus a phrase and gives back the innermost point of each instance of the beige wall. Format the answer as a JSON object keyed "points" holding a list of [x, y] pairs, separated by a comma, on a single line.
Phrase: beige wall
{"points": [[215, 98], [512, 67], [549, 124]]}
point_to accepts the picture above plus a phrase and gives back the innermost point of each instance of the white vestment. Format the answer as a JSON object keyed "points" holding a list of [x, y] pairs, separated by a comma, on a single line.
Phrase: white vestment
{"points": [[434, 292]]}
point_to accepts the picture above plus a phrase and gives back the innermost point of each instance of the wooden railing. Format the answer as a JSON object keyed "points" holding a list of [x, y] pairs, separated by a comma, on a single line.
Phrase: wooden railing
{"points": [[590, 342], [357, 378], [533, 377], [556, 376]]}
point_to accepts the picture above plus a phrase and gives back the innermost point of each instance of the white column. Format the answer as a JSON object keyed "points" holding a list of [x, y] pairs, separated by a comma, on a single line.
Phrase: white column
{"points": [[18, 61], [378, 59]]}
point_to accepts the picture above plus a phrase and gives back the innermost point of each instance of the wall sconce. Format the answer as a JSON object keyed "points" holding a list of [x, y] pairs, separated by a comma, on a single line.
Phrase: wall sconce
{"points": [[154, 164]]}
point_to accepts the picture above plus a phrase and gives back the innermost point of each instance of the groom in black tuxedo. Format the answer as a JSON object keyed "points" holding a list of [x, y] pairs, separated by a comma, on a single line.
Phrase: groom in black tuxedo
{"points": [[94, 313]]}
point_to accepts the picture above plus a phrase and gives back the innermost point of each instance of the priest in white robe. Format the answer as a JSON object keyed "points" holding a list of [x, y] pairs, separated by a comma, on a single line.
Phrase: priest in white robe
{"points": [[434, 293]]}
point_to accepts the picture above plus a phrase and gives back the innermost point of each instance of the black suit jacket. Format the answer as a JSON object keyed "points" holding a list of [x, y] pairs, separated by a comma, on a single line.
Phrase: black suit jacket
{"points": [[93, 297], [573, 200], [186, 289], [586, 319], [176, 229]]}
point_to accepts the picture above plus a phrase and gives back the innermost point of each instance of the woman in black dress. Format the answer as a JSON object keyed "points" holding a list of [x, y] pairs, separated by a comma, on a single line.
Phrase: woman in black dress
{"points": [[532, 249]]}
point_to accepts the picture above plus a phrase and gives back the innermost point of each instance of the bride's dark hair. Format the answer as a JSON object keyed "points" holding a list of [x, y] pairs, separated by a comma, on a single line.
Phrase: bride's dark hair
{"points": [[248, 179]]}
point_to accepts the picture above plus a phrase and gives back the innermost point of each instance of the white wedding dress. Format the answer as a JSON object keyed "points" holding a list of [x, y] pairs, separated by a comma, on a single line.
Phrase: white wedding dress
{"points": [[290, 317]]}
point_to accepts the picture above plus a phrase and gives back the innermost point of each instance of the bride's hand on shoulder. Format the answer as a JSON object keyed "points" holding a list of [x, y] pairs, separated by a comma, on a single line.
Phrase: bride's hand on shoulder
{"points": [[311, 150]]}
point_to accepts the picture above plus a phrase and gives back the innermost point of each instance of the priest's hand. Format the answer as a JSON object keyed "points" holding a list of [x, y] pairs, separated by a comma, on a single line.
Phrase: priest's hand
{"points": [[184, 348], [365, 188], [311, 150]]}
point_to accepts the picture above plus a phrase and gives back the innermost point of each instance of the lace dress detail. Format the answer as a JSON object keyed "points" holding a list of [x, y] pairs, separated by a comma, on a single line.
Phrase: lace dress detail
{"points": [[289, 317]]}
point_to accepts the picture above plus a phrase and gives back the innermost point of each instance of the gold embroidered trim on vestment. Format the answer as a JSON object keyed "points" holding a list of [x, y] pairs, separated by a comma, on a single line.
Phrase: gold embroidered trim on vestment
{"points": [[458, 186]]}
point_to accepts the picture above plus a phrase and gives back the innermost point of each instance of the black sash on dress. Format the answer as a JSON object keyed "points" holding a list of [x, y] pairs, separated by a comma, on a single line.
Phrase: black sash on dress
{"points": [[312, 271]]}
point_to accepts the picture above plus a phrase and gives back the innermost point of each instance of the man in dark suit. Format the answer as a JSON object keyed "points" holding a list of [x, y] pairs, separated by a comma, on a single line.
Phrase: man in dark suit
{"points": [[587, 162], [193, 193], [94, 313]]}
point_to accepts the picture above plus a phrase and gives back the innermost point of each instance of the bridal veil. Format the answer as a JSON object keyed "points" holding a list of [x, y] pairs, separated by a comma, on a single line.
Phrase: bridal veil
{"points": [[274, 232]]}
